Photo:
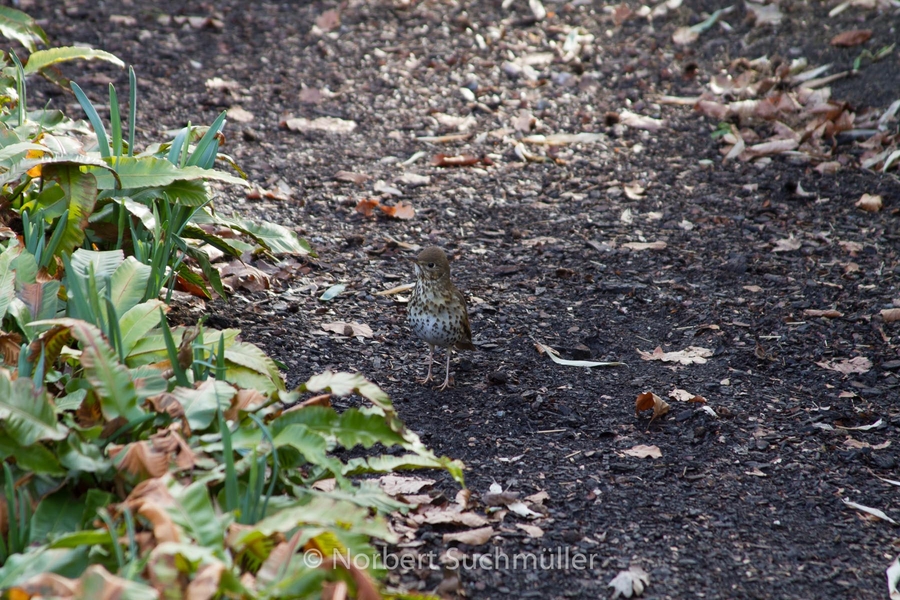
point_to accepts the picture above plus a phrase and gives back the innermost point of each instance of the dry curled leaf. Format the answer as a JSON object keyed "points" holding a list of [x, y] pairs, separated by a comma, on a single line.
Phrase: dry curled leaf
{"points": [[649, 400], [351, 177], [642, 451], [690, 355], [659, 245], [890, 315], [869, 203], [473, 537], [847, 366], [630, 583], [460, 160]]}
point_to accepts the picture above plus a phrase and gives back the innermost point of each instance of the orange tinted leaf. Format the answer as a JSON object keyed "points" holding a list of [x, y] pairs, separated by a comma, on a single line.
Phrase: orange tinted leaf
{"points": [[461, 160], [649, 400], [402, 210], [366, 206]]}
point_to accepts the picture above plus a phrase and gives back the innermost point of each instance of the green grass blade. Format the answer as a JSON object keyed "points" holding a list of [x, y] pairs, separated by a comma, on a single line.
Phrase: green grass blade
{"points": [[231, 483], [132, 108], [94, 118], [180, 374], [115, 121], [204, 154], [49, 250], [10, 489], [20, 89]]}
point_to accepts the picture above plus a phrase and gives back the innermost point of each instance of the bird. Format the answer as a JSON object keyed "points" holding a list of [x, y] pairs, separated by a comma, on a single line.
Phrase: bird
{"points": [[437, 310]]}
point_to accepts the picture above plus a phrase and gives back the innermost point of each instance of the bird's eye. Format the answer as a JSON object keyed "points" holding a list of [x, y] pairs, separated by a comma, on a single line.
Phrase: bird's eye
{"points": [[430, 265]]}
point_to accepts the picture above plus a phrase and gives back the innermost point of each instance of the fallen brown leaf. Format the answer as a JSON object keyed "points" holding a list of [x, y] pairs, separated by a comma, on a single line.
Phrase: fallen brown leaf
{"points": [[473, 537], [869, 203], [642, 451], [690, 355], [367, 206], [847, 366], [854, 37]]}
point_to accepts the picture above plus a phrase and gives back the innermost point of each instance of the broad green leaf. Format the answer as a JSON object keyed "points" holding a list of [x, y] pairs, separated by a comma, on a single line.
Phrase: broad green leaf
{"points": [[17, 25], [89, 537], [110, 379], [316, 418], [278, 239], [62, 561], [35, 458], [200, 404], [388, 464], [252, 358], [312, 445], [344, 384], [139, 320], [81, 191], [184, 192], [325, 512], [357, 427], [150, 172], [26, 268], [44, 58], [40, 299], [48, 160], [152, 348], [250, 379], [15, 152], [26, 413], [56, 514], [128, 285], [7, 278], [80, 456], [105, 263], [148, 381], [194, 512]]}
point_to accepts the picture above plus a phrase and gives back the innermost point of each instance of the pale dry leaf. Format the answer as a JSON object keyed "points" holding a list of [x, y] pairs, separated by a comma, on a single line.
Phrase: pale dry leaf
{"points": [[649, 400], [461, 124], [871, 511], [755, 472], [636, 121], [890, 315], [690, 355], [847, 366], [869, 203], [349, 329], [680, 395], [765, 14], [874, 425], [395, 485], [473, 537], [787, 244], [642, 451], [522, 510], [634, 191], [329, 20], [533, 531], [331, 125], [240, 114], [684, 36], [538, 498], [658, 245], [630, 583], [396, 290], [560, 139], [448, 514], [627, 216], [753, 288], [893, 578], [414, 179], [350, 177]]}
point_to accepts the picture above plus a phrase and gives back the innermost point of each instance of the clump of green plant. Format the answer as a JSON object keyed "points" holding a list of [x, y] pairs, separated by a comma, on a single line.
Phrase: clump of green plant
{"points": [[147, 460]]}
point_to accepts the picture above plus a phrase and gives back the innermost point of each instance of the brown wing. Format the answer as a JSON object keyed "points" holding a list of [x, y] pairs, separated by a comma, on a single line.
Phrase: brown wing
{"points": [[465, 340]]}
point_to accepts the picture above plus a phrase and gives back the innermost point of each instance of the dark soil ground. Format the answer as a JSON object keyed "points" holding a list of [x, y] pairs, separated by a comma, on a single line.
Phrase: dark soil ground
{"points": [[746, 505]]}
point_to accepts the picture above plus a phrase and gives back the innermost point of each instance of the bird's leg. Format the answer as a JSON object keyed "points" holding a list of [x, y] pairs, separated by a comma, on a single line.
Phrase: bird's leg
{"points": [[447, 377], [430, 362]]}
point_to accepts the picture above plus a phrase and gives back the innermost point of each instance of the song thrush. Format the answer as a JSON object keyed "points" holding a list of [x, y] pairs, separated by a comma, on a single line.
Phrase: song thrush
{"points": [[437, 310]]}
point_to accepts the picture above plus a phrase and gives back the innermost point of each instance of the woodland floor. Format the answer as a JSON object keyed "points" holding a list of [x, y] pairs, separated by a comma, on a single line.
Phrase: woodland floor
{"points": [[747, 504]]}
